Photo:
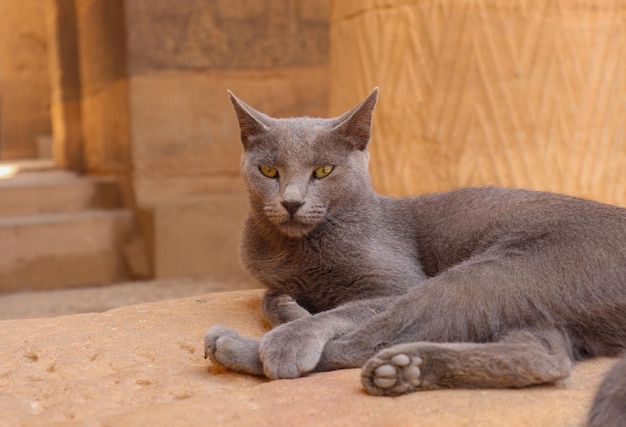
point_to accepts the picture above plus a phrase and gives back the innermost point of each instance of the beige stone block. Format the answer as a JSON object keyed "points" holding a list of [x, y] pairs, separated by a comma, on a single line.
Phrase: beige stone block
{"points": [[487, 92], [167, 188], [200, 237], [33, 193], [23, 39], [185, 136], [25, 115], [144, 365]]}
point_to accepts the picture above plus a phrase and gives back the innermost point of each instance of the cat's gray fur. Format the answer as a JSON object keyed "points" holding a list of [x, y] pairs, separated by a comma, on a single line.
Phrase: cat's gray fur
{"points": [[479, 287]]}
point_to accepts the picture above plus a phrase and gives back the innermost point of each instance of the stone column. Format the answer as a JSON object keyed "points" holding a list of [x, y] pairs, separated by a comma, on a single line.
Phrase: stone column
{"points": [[524, 94], [24, 81], [101, 29], [64, 69]]}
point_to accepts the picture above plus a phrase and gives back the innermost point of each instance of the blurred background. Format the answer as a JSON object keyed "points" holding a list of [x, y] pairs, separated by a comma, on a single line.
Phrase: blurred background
{"points": [[119, 149]]}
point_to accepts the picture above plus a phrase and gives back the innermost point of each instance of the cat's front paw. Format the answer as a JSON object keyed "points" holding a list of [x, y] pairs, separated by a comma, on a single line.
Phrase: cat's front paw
{"points": [[289, 352], [227, 348]]}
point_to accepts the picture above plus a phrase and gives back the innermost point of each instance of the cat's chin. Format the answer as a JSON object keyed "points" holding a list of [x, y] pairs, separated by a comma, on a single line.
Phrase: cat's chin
{"points": [[295, 229]]}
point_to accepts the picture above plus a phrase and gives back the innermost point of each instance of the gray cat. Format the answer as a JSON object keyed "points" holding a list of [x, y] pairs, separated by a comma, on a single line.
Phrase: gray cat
{"points": [[479, 287]]}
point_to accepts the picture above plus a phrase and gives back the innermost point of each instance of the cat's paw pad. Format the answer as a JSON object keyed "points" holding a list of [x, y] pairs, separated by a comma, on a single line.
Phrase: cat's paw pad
{"points": [[390, 373]]}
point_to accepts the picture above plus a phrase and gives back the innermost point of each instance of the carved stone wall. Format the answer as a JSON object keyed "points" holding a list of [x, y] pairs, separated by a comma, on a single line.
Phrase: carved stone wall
{"points": [[522, 93]]}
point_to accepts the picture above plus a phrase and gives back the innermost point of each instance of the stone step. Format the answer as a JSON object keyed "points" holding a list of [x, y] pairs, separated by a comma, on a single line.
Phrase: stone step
{"points": [[55, 191], [64, 250]]}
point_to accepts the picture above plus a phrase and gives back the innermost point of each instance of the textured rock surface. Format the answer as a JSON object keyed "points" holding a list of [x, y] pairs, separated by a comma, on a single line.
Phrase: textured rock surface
{"points": [[143, 365]]}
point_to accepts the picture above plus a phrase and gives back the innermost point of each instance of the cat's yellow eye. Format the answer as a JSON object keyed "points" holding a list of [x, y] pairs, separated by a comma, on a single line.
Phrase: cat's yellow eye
{"points": [[323, 171], [268, 171]]}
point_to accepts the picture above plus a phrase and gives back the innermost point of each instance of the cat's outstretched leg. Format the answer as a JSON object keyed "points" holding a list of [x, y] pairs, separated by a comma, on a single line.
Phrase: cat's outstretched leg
{"points": [[227, 348], [520, 359]]}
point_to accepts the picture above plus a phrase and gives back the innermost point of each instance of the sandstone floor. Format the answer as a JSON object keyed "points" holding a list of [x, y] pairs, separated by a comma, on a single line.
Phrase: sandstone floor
{"points": [[143, 364]]}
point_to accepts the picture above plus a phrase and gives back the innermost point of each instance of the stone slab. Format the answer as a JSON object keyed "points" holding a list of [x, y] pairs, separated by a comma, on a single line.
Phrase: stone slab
{"points": [[143, 365], [34, 193]]}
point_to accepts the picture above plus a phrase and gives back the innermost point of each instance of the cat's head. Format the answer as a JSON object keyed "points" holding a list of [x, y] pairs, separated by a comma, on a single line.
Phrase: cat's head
{"points": [[304, 171]]}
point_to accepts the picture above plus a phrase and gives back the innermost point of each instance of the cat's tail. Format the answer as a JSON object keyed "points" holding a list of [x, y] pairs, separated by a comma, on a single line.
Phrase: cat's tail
{"points": [[609, 405]]}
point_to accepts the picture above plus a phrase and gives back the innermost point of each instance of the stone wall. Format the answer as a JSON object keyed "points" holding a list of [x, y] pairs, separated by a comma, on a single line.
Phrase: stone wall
{"points": [[24, 80], [181, 61], [137, 90], [524, 94], [185, 139], [154, 79], [154, 109]]}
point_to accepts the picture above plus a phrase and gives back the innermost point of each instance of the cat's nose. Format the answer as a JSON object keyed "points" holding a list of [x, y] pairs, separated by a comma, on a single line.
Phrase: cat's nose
{"points": [[292, 206]]}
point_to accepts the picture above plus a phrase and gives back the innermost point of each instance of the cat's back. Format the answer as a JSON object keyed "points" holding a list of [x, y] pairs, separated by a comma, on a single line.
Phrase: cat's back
{"points": [[455, 225], [512, 207]]}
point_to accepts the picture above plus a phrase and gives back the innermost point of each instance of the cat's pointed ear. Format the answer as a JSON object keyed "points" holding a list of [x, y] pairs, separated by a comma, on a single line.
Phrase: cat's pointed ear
{"points": [[251, 121], [356, 124]]}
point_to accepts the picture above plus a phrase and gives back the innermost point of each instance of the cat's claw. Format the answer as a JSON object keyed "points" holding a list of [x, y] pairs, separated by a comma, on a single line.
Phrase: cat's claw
{"points": [[392, 373]]}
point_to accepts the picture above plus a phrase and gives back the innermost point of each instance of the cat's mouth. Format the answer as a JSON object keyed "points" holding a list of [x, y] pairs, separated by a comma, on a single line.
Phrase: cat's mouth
{"points": [[294, 228]]}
